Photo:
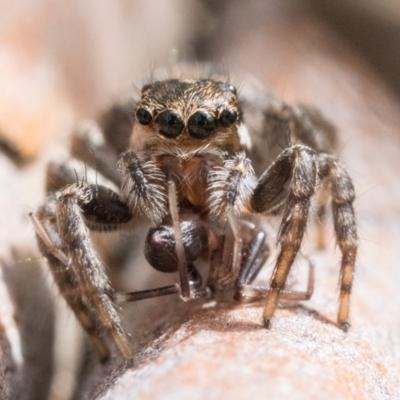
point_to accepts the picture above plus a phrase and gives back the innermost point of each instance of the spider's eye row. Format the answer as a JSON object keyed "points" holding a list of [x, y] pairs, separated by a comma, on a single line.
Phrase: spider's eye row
{"points": [[143, 115], [169, 124], [228, 117], [201, 125]]}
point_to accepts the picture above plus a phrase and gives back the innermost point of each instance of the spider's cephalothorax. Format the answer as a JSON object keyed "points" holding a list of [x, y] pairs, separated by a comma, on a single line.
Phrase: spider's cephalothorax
{"points": [[194, 143]]}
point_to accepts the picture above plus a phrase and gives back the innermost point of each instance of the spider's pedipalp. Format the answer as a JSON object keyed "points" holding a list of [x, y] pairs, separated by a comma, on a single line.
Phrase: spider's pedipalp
{"points": [[230, 186], [143, 186]]}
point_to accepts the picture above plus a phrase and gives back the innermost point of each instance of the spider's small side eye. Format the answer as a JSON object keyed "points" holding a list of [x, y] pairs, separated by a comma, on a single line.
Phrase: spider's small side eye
{"points": [[144, 116], [201, 125], [146, 87], [228, 117], [169, 124], [227, 86]]}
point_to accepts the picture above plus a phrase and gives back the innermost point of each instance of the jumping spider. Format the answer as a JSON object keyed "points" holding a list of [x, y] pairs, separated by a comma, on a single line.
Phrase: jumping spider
{"points": [[196, 145]]}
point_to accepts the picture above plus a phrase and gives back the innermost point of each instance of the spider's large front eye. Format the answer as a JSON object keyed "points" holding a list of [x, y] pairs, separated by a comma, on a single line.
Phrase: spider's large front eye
{"points": [[143, 115], [228, 117], [201, 125], [169, 124]]}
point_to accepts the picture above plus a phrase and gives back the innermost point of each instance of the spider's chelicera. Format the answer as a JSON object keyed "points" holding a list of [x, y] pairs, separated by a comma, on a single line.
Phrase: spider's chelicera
{"points": [[205, 161]]}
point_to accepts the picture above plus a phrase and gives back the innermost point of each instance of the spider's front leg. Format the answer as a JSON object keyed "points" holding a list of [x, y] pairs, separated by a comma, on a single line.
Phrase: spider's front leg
{"points": [[287, 185], [63, 234], [144, 186]]}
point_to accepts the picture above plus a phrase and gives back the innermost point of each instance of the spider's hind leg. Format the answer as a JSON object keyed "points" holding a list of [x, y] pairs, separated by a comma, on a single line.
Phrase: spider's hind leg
{"points": [[290, 180], [343, 196], [306, 125], [309, 127]]}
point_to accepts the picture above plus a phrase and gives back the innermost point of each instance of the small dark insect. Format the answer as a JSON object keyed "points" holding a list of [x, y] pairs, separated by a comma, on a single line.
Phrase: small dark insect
{"points": [[196, 147]]}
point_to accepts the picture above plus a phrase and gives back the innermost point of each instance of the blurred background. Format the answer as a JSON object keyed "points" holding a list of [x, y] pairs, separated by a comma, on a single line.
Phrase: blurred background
{"points": [[64, 61]]}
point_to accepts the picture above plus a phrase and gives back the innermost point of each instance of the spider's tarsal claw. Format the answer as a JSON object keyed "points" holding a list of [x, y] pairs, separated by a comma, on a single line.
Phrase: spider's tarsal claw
{"points": [[267, 323], [345, 326]]}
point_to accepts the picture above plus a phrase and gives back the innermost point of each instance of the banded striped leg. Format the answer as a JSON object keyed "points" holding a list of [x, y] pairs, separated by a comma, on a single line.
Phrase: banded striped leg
{"points": [[343, 195], [296, 165], [283, 123], [61, 226]]}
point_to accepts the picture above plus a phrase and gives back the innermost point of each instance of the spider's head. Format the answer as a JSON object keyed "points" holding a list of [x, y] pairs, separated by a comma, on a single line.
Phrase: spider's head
{"points": [[188, 113]]}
